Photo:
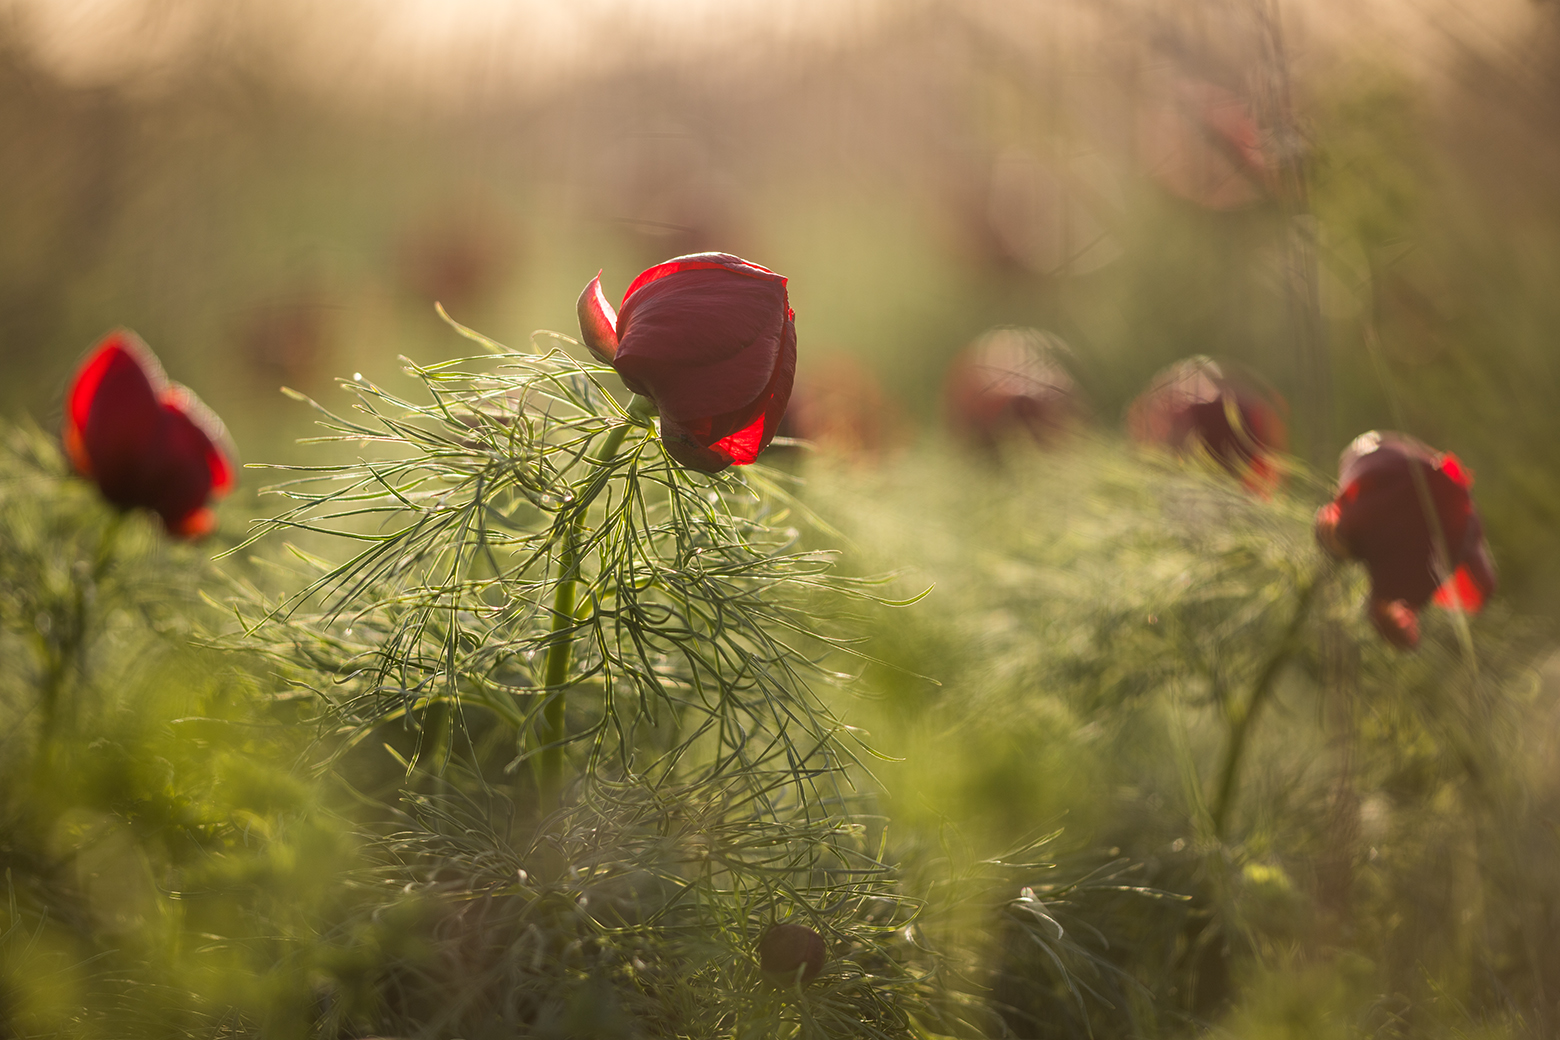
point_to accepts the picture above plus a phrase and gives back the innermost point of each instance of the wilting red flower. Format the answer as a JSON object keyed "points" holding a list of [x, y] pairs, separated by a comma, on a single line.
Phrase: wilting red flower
{"points": [[146, 442], [1380, 517], [787, 949], [711, 339], [1010, 380], [1195, 405]]}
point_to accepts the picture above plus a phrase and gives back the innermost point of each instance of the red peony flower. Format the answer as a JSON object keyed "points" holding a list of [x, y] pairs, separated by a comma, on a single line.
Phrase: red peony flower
{"points": [[1010, 380], [1195, 405], [789, 953], [711, 339], [1379, 517], [146, 443]]}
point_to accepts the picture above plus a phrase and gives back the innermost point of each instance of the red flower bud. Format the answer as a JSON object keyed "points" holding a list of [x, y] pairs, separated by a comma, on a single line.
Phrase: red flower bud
{"points": [[790, 953], [1411, 553], [1010, 380], [1196, 406], [146, 443], [711, 339]]}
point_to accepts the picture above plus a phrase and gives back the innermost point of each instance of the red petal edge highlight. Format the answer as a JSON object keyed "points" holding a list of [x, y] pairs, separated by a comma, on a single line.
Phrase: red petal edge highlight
{"points": [[196, 525], [78, 401], [1452, 466], [702, 262], [744, 445], [1461, 591], [598, 321], [220, 453]]}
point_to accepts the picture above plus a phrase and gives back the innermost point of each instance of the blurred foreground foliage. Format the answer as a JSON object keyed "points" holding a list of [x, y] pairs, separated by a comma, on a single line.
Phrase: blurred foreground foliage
{"points": [[167, 871], [1384, 864], [565, 729]]}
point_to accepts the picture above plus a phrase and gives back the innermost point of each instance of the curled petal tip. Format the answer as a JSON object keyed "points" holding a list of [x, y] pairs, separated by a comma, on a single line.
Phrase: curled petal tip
{"points": [[598, 321]]}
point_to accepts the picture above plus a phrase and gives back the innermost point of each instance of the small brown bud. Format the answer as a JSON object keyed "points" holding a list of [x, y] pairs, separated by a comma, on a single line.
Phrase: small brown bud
{"points": [[789, 953]]}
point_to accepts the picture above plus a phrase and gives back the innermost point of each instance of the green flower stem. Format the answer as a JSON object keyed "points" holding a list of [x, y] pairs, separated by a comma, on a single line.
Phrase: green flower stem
{"points": [[560, 646], [66, 649], [1261, 691]]}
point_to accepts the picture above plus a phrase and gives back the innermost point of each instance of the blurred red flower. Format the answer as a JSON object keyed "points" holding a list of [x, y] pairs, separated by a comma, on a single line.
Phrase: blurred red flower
{"points": [[1380, 518], [1197, 406], [1010, 381], [711, 339], [1203, 144], [146, 443], [840, 407]]}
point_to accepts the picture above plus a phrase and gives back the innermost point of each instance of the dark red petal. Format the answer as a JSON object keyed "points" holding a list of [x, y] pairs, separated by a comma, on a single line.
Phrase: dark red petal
{"points": [[112, 416], [177, 477], [700, 317], [701, 262], [777, 395], [115, 350], [1382, 449], [712, 443], [703, 343], [598, 321], [691, 449], [221, 458]]}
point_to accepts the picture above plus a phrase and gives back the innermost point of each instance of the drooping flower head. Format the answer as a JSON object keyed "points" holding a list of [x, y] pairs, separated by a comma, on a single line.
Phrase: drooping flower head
{"points": [[1405, 511], [1197, 406], [711, 339], [145, 442], [1011, 380]]}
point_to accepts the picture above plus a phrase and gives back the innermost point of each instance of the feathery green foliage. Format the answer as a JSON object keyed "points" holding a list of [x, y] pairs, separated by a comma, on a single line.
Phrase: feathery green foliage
{"points": [[596, 673]]}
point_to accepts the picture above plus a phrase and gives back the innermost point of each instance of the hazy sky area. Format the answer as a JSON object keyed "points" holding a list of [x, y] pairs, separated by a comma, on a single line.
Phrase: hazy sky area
{"points": [[442, 46], [457, 48]]}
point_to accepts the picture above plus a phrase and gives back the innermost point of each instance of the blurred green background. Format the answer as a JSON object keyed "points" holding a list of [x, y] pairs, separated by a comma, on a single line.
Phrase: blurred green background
{"points": [[276, 193]]}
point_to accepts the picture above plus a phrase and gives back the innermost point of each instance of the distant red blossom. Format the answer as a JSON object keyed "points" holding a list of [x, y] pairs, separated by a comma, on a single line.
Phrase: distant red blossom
{"points": [[840, 407], [711, 339], [1198, 406], [1010, 380], [145, 442], [1413, 553], [1203, 143]]}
